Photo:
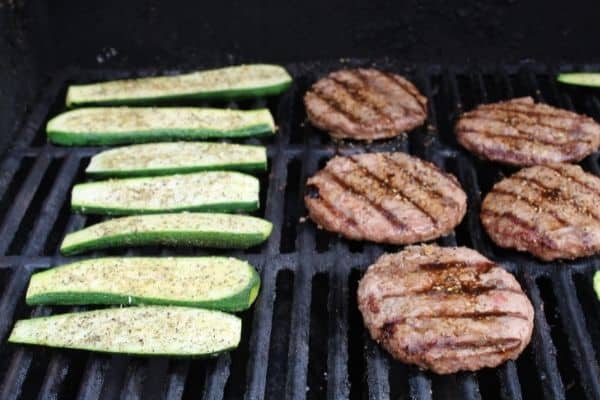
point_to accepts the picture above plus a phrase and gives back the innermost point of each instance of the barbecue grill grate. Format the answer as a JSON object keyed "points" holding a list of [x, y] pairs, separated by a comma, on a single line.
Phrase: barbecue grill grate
{"points": [[304, 337]]}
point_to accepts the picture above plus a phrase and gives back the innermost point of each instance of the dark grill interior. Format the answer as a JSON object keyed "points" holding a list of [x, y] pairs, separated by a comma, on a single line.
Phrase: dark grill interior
{"points": [[304, 337]]}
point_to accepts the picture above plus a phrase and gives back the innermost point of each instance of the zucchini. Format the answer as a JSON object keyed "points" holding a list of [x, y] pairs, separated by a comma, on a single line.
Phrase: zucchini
{"points": [[589, 79], [149, 331], [221, 283], [201, 191], [234, 82], [597, 283], [172, 158], [117, 125], [183, 229]]}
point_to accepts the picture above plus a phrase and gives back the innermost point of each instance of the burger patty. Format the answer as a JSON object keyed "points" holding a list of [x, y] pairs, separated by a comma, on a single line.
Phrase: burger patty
{"points": [[521, 132], [365, 104], [551, 211], [445, 309], [385, 197]]}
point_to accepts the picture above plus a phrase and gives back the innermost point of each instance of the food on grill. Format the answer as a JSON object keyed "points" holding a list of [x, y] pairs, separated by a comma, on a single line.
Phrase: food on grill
{"points": [[148, 331], [597, 283], [365, 104], [202, 191], [117, 125], [182, 229], [221, 283], [385, 197], [445, 309], [235, 82], [589, 79], [172, 158], [521, 132], [550, 211]]}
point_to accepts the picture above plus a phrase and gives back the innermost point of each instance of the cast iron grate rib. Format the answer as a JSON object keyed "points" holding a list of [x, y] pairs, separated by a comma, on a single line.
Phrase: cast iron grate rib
{"points": [[304, 337]]}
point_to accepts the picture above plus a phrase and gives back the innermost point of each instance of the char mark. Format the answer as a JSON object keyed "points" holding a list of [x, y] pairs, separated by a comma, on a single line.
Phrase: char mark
{"points": [[359, 93], [540, 239], [532, 203], [556, 194], [387, 214], [424, 185]]}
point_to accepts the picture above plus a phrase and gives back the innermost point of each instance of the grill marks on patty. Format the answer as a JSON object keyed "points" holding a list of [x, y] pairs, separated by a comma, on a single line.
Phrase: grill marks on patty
{"points": [[521, 132], [550, 211], [365, 104], [385, 197], [445, 309]]}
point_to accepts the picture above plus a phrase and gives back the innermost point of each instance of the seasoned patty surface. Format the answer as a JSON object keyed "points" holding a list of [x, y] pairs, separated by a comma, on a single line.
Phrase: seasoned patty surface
{"points": [[365, 104], [385, 197], [445, 309], [522, 132], [551, 211]]}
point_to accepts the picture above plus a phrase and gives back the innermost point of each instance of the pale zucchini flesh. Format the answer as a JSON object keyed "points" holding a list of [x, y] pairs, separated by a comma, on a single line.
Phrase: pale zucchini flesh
{"points": [[221, 283], [590, 79], [181, 229], [179, 157], [219, 191], [147, 331], [234, 82], [597, 284], [122, 125]]}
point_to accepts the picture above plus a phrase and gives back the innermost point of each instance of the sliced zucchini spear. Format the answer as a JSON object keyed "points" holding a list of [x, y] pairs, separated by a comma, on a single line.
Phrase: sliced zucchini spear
{"points": [[105, 126], [149, 331], [222, 283], [172, 158], [183, 229], [590, 79], [240, 81], [597, 284], [202, 191]]}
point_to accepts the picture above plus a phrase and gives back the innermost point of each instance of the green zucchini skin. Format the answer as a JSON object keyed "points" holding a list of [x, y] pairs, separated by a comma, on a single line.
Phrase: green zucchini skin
{"points": [[81, 283], [237, 88], [124, 125], [156, 159], [183, 230], [588, 79], [141, 331], [122, 196]]}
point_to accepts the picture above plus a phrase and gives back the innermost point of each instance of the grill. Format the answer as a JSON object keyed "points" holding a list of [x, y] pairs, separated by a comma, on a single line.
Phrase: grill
{"points": [[304, 337]]}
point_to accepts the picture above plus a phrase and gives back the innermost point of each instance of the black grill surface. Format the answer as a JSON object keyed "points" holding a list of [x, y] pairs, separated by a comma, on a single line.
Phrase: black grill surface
{"points": [[304, 338]]}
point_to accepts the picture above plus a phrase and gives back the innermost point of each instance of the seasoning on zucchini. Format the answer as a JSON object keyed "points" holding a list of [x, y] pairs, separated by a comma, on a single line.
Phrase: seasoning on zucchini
{"points": [[182, 229], [149, 331], [221, 283], [220, 191], [117, 125], [589, 79], [179, 157], [234, 82]]}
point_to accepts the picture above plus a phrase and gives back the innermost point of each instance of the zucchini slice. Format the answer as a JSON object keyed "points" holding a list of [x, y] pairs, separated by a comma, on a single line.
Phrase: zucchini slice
{"points": [[149, 331], [172, 158], [589, 79], [597, 284], [183, 229], [234, 82], [201, 191], [117, 125], [221, 283]]}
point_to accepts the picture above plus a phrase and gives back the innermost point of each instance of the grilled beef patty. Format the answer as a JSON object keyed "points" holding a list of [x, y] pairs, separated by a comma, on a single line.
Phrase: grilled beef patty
{"points": [[445, 309], [521, 132], [550, 211], [385, 197], [365, 104]]}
